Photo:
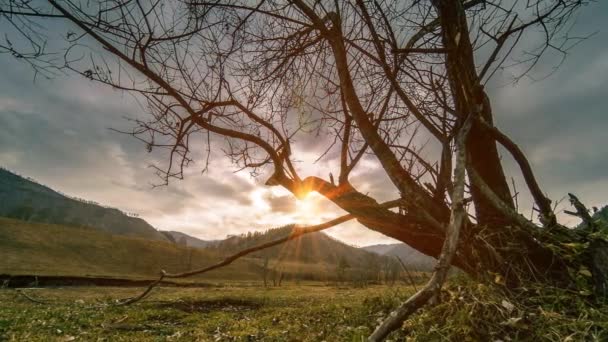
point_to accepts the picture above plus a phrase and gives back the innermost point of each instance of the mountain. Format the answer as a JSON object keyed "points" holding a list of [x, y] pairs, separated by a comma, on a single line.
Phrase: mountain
{"points": [[37, 249], [410, 257], [187, 240], [381, 249], [310, 248], [29, 248], [25, 199]]}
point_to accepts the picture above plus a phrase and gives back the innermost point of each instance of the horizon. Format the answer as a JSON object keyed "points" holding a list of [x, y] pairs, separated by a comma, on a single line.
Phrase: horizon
{"points": [[137, 216]]}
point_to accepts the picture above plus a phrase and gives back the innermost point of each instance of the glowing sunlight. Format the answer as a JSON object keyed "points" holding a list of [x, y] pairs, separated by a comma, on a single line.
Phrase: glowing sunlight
{"points": [[307, 209]]}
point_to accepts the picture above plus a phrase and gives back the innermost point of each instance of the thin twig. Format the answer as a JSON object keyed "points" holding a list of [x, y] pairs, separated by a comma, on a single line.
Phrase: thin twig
{"points": [[32, 299], [409, 276]]}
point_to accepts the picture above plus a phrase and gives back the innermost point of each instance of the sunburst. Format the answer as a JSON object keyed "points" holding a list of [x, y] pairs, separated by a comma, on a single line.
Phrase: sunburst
{"points": [[307, 210]]}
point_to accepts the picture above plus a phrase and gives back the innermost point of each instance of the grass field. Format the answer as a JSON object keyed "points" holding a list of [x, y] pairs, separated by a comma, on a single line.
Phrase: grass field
{"points": [[308, 312]]}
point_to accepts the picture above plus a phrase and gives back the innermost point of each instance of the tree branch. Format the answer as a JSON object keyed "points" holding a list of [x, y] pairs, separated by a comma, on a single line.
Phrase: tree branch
{"points": [[296, 233], [457, 216], [547, 217]]}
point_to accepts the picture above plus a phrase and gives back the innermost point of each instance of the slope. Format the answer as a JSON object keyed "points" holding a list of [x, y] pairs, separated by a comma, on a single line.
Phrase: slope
{"points": [[48, 249], [410, 257], [27, 200], [188, 240], [311, 248]]}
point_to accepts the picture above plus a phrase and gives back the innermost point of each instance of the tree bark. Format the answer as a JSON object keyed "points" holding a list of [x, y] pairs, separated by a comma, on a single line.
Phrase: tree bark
{"points": [[469, 97], [599, 266]]}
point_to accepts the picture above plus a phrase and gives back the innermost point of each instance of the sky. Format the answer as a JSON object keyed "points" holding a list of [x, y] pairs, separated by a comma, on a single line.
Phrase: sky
{"points": [[58, 132]]}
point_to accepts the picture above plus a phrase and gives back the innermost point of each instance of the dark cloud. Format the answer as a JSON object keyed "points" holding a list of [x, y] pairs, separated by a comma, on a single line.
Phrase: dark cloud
{"points": [[237, 190], [561, 122]]}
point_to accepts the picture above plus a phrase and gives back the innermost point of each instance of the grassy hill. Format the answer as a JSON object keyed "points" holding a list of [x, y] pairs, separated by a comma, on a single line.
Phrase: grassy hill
{"points": [[48, 249], [411, 257], [187, 240], [28, 248], [25, 199], [310, 248]]}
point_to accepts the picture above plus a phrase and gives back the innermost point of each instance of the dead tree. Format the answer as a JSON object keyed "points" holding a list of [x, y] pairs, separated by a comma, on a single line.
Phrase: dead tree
{"points": [[379, 78]]}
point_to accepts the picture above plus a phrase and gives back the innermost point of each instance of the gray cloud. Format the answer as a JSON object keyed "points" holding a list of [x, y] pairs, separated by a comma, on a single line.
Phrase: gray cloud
{"points": [[281, 204], [561, 121]]}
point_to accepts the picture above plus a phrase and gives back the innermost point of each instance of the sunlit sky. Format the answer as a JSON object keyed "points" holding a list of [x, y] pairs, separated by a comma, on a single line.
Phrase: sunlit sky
{"points": [[57, 132]]}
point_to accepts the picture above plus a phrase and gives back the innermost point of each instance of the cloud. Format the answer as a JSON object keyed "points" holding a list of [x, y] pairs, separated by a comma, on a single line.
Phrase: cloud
{"points": [[281, 204], [57, 132]]}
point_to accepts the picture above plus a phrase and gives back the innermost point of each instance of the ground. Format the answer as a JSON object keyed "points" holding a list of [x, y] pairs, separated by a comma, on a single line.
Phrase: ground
{"points": [[246, 311], [238, 312]]}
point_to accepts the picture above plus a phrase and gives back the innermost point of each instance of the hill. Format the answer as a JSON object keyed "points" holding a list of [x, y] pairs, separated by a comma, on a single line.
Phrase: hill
{"points": [[47, 249], [311, 248], [24, 199], [380, 249], [410, 257], [28, 248]]}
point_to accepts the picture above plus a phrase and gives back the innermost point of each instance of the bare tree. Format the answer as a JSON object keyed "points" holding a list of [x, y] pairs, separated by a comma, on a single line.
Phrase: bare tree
{"points": [[395, 81]]}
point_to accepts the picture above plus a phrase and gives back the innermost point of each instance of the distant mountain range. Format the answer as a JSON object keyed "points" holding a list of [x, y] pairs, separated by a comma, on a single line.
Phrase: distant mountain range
{"points": [[184, 239], [26, 200], [411, 257]]}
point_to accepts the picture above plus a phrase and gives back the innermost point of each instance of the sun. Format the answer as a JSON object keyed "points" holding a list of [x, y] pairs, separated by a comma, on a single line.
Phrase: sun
{"points": [[307, 209]]}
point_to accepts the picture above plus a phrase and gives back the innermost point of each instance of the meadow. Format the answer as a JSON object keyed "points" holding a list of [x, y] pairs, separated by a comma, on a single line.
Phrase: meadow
{"points": [[225, 312]]}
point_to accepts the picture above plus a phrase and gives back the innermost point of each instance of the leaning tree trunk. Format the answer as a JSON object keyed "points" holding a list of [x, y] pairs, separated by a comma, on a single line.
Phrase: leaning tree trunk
{"points": [[512, 254], [469, 97], [509, 250], [502, 244]]}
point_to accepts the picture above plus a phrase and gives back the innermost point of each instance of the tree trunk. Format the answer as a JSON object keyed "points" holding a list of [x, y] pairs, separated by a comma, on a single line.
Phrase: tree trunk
{"points": [[511, 254], [470, 99], [496, 246]]}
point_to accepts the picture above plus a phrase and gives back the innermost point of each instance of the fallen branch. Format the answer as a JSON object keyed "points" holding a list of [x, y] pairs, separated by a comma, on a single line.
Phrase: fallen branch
{"points": [[31, 299], [498, 203], [581, 212], [457, 216], [547, 216]]}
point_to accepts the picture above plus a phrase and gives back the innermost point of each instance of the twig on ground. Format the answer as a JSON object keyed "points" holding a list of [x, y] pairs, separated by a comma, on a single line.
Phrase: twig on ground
{"points": [[32, 299]]}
